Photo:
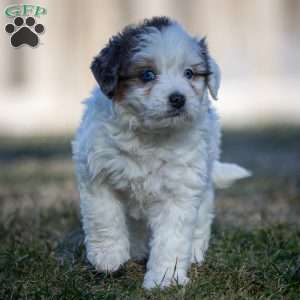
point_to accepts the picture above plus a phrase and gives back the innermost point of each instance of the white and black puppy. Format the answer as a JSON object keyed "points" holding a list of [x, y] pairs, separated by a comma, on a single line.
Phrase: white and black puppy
{"points": [[147, 152]]}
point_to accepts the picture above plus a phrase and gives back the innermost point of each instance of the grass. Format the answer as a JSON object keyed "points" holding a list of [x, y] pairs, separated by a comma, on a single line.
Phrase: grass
{"points": [[254, 251], [241, 264]]}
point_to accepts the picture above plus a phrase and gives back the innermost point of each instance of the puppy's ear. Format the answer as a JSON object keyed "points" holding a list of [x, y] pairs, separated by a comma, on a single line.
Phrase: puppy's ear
{"points": [[105, 67], [214, 77]]}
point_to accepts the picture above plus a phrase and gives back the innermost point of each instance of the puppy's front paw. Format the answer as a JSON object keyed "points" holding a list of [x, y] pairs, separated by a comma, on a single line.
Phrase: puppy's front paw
{"points": [[197, 257], [162, 280], [198, 251], [109, 260]]}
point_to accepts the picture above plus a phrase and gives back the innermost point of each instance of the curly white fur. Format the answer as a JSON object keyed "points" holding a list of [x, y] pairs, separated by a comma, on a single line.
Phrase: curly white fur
{"points": [[146, 180]]}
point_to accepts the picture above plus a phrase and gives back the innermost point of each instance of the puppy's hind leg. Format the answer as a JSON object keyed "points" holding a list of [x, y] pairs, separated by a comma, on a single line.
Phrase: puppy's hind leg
{"points": [[202, 230], [106, 234]]}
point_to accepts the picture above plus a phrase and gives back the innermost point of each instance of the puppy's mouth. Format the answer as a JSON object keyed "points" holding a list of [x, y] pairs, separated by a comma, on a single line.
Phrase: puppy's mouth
{"points": [[167, 118], [175, 113]]}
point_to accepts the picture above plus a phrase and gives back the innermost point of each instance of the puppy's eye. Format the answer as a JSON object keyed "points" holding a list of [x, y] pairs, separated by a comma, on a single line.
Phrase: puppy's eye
{"points": [[188, 73], [147, 75]]}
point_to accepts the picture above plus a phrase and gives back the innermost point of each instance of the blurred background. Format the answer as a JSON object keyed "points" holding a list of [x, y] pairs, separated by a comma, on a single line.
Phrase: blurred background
{"points": [[256, 43]]}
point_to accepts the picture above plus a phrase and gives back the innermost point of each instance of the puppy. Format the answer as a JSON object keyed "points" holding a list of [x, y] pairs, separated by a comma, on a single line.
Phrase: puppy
{"points": [[147, 152]]}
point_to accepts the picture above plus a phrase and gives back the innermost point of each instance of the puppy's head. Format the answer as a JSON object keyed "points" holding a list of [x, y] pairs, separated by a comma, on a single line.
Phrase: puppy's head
{"points": [[157, 73]]}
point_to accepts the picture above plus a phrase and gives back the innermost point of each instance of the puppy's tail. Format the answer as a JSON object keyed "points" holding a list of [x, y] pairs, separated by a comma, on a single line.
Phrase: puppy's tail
{"points": [[225, 174]]}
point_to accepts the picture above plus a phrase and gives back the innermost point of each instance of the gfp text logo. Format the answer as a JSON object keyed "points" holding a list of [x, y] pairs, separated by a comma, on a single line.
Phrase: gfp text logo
{"points": [[24, 30]]}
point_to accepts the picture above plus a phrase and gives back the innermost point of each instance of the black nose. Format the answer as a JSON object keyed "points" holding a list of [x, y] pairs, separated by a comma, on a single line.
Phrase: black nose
{"points": [[177, 100]]}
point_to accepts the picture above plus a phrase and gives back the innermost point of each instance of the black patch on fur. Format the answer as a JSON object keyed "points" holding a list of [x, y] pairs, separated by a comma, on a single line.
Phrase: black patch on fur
{"points": [[112, 61], [158, 22], [204, 53]]}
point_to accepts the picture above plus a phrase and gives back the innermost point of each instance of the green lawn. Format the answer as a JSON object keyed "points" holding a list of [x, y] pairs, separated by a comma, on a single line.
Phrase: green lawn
{"points": [[254, 251]]}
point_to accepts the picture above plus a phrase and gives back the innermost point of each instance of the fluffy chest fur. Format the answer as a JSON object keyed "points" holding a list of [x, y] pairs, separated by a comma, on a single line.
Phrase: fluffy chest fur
{"points": [[163, 169]]}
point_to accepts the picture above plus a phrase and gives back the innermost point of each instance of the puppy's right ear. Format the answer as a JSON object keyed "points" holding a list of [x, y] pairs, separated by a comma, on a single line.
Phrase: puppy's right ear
{"points": [[105, 67], [214, 78]]}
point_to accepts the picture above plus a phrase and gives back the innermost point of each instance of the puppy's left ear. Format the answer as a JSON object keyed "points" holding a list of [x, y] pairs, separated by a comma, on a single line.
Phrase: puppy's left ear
{"points": [[105, 67], [214, 77]]}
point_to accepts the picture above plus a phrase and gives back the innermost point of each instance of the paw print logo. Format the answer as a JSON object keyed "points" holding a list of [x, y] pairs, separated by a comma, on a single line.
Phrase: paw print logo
{"points": [[24, 33]]}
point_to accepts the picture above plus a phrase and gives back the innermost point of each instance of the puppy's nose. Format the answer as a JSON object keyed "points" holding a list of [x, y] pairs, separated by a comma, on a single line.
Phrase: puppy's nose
{"points": [[177, 100]]}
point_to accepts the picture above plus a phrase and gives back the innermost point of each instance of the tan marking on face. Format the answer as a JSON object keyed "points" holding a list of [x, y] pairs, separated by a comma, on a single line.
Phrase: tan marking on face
{"points": [[199, 68], [131, 79], [193, 87], [141, 65], [149, 87], [120, 91], [192, 84]]}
